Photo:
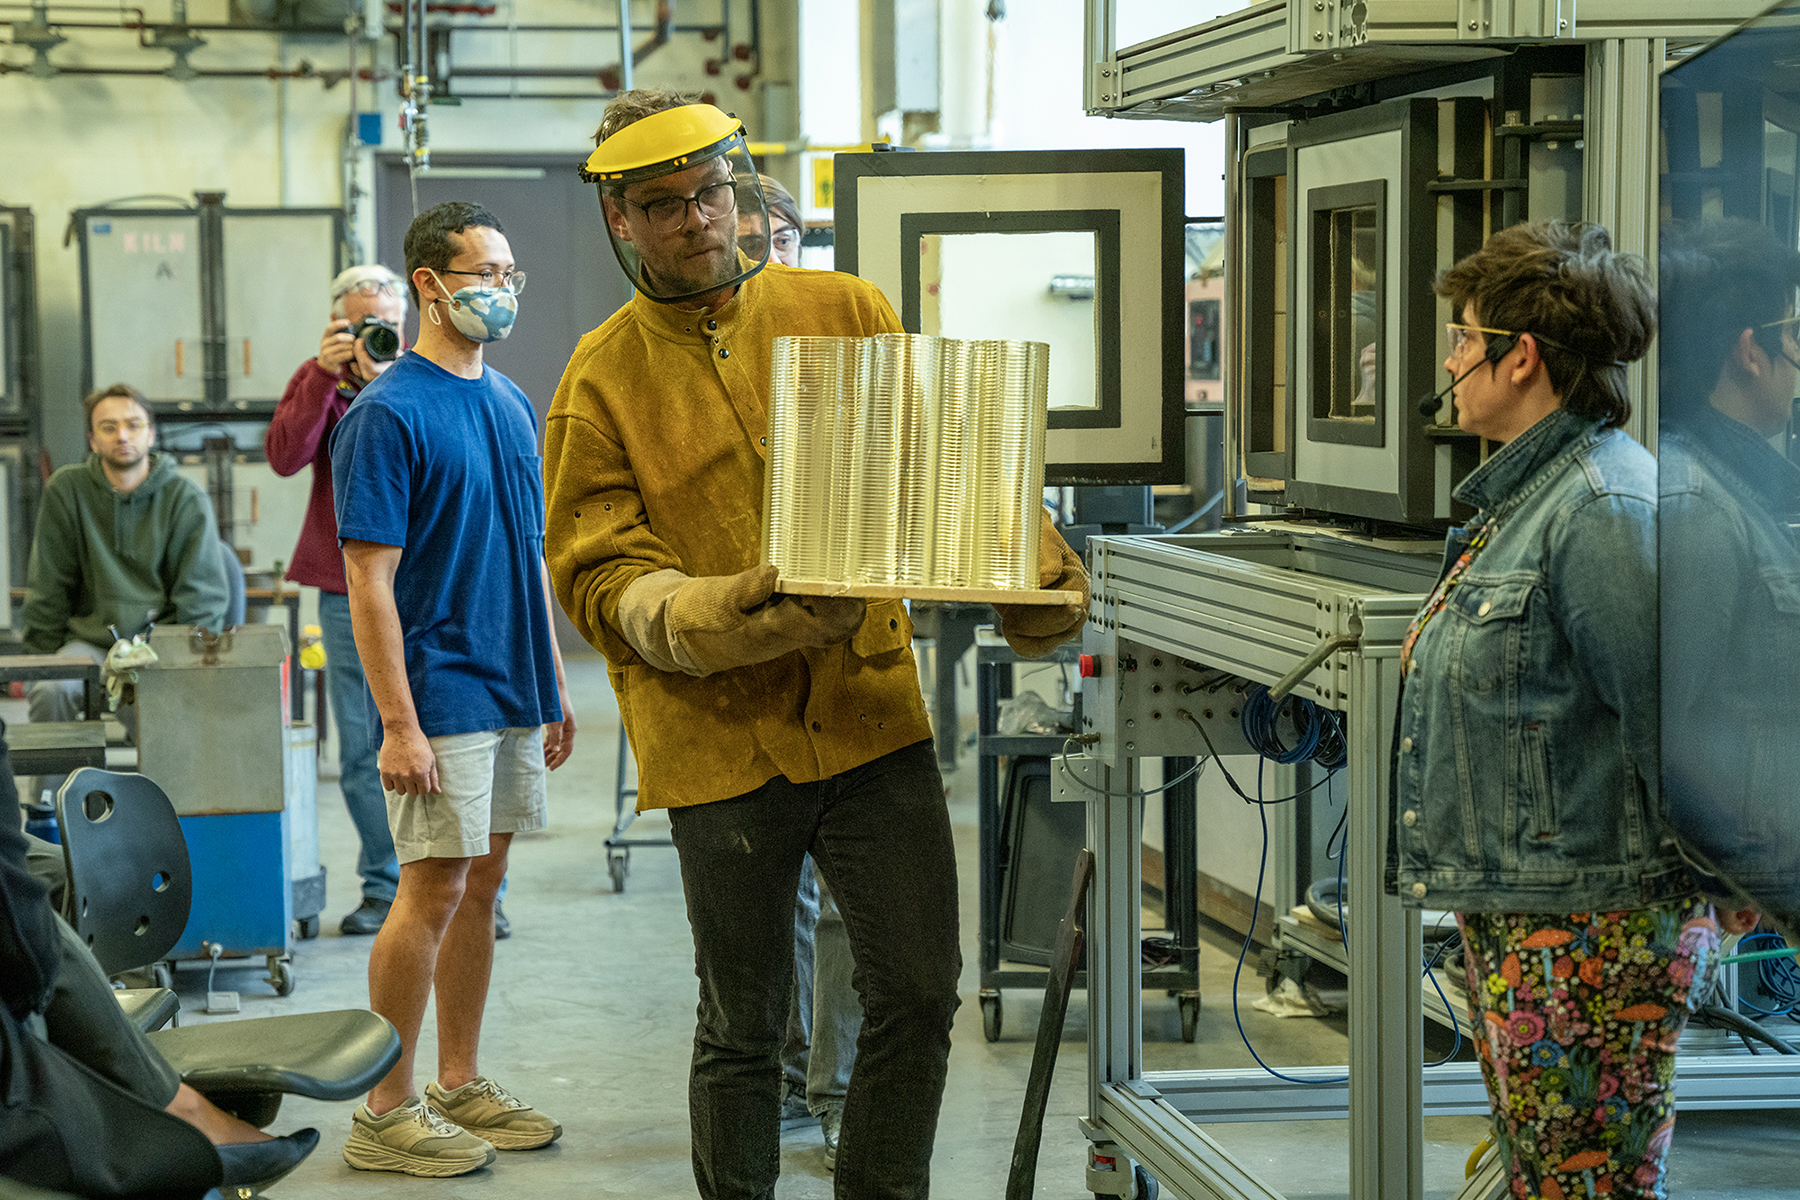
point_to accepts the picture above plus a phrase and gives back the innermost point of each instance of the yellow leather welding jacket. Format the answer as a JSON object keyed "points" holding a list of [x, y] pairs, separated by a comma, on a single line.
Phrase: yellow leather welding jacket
{"points": [[654, 454]]}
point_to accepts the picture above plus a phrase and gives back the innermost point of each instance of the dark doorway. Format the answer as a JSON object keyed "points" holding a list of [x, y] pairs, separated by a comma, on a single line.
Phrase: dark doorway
{"points": [[552, 220]]}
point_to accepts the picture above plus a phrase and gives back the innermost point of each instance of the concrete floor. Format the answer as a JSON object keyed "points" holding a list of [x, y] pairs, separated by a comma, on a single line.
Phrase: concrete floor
{"points": [[590, 1019]]}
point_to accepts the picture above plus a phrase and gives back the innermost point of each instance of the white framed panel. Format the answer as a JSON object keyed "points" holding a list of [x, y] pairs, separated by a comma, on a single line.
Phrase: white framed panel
{"points": [[276, 264], [1388, 470], [141, 280], [1373, 158], [1131, 200]]}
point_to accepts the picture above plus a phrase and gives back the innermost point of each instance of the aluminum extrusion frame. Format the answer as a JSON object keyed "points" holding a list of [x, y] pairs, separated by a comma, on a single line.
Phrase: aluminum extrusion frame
{"points": [[1254, 601], [1278, 51]]}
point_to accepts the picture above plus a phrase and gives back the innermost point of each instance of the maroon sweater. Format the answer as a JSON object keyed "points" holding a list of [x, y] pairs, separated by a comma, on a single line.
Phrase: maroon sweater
{"points": [[299, 435]]}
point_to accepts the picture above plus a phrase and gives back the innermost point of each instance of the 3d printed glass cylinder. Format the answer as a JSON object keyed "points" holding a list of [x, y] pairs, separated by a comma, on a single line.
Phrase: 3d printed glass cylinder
{"points": [[903, 460]]}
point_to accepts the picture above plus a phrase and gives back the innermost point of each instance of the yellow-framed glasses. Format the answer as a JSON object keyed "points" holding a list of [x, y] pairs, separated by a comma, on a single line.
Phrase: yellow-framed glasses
{"points": [[1456, 336]]}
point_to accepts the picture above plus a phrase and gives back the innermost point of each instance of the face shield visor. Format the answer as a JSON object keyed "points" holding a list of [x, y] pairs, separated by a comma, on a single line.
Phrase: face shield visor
{"points": [[678, 191]]}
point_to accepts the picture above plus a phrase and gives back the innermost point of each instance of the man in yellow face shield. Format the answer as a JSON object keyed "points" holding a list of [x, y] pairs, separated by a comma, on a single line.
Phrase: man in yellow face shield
{"points": [[770, 726]]}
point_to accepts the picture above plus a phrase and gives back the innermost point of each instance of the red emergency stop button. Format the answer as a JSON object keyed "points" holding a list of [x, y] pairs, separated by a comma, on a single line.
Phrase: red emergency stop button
{"points": [[1088, 668]]}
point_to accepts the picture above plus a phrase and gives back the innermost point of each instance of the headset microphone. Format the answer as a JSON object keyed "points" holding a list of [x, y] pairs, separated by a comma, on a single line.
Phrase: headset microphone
{"points": [[1496, 350]]}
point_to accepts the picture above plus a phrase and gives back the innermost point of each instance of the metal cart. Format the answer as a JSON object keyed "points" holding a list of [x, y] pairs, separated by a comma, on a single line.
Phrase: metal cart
{"points": [[994, 661], [618, 846]]}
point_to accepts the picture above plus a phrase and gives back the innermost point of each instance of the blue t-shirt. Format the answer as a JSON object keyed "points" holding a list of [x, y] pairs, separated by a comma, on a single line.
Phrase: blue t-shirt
{"points": [[447, 468]]}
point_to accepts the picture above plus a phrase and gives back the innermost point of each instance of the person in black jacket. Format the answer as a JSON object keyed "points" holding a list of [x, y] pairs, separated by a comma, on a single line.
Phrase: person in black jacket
{"points": [[87, 1105]]}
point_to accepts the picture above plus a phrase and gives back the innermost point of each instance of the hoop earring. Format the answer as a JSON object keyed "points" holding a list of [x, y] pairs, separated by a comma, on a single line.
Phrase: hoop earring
{"points": [[431, 309]]}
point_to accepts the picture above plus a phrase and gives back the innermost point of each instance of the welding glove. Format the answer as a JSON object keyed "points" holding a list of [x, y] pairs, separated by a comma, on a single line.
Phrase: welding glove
{"points": [[122, 663], [716, 622], [1034, 630]]}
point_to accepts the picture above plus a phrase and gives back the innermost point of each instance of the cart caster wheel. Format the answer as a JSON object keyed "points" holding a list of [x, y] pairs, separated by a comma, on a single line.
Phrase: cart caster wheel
{"points": [[281, 975], [163, 976], [309, 927], [1189, 1004], [1147, 1187], [618, 866], [990, 1015]]}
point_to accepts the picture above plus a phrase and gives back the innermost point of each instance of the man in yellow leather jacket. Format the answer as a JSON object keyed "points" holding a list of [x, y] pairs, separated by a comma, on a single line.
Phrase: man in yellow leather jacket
{"points": [[770, 726]]}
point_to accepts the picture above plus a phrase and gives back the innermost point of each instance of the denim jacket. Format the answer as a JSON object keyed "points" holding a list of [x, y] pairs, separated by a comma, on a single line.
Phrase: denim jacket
{"points": [[1526, 748], [1730, 645]]}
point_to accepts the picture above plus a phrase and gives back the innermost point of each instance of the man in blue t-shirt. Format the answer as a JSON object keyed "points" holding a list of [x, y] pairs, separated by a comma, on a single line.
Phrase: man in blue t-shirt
{"points": [[440, 512]]}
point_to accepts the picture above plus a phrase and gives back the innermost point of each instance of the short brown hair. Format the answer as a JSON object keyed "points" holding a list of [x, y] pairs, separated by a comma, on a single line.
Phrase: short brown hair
{"points": [[122, 391], [1592, 308], [633, 106]]}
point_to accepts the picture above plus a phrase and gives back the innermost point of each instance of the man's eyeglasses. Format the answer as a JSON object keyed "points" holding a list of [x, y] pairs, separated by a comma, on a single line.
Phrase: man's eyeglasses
{"points": [[375, 287], [1785, 321], [668, 213], [133, 426], [512, 281]]}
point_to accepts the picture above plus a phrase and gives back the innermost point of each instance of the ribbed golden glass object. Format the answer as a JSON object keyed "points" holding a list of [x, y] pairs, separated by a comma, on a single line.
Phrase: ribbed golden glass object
{"points": [[906, 460]]}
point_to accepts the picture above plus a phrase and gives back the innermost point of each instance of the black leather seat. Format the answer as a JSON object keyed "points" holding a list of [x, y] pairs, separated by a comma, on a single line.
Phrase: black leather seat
{"points": [[130, 884], [240, 1065]]}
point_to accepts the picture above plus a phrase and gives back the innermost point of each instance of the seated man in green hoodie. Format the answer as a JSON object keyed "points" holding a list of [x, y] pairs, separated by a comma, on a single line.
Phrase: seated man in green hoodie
{"points": [[122, 540]]}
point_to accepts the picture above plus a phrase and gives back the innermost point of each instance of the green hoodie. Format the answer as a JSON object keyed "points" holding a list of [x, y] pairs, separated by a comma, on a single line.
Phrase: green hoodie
{"points": [[101, 558]]}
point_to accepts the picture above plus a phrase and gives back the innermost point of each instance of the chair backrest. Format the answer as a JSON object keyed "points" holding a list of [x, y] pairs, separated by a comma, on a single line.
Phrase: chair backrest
{"points": [[130, 880]]}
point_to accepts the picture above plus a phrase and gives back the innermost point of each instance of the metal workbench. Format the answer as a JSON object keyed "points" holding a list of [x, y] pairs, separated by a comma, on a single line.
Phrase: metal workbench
{"points": [[1255, 603]]}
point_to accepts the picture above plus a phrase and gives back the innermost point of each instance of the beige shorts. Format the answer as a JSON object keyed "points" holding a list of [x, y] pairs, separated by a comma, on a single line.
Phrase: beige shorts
{"points": [[493, 782]]}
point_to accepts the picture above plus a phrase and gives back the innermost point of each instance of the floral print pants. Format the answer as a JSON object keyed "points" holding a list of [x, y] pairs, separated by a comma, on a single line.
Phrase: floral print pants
{"points": [[1576, 1019]]}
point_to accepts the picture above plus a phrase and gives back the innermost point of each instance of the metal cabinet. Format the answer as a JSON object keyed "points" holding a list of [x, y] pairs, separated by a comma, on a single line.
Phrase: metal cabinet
{"points": [[201, 308]]}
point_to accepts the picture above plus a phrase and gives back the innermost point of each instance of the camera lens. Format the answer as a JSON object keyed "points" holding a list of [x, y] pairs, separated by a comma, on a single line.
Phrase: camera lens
{"points": [[380, 339]]}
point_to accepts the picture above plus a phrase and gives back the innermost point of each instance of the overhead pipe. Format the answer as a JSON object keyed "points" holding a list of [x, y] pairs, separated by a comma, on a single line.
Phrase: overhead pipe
{"points": [[415, 75], [302, 70], [617, 78], [627, 56], [660, 29]]}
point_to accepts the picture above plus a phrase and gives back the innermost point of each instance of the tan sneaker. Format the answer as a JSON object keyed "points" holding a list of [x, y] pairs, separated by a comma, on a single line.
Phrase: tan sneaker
{"points": [[414, 1140], [486, 1109]]}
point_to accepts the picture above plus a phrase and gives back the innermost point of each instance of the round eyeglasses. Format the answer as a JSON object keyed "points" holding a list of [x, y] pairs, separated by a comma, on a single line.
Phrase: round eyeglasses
{"points": [[666, 214], [377, 287], [756, 245], [512, 281]]}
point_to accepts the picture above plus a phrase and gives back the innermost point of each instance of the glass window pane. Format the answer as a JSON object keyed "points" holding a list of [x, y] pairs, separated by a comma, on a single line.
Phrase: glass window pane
{"points": [[1347, 318]]}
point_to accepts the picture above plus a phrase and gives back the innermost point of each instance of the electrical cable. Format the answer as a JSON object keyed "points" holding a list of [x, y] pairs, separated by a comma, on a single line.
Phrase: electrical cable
{"points": [[1743, 1026], [1778, 976], [1213, 754], [1453, 940], [1179, 779], [1320, 738], [1262, 866]]}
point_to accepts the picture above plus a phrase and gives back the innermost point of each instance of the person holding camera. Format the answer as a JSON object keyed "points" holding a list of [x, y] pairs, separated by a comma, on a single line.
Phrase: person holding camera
{"points": [[362, 339]]}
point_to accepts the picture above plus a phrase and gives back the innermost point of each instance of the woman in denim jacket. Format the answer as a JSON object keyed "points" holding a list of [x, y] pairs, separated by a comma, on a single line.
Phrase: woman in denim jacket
{"points": [[1526, 768]]}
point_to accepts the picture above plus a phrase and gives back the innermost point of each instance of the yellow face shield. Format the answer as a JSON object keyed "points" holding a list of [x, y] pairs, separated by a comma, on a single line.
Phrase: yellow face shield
{"points": [[676, 189]]}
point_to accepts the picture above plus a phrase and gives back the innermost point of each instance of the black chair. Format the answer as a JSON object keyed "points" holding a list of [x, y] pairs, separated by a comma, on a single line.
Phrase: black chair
{"points": [[133, 917], [130, 885], [130, 882]]}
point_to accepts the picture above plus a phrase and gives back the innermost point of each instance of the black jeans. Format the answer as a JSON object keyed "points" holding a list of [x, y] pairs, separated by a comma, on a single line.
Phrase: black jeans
{"points": [[881, 837]]}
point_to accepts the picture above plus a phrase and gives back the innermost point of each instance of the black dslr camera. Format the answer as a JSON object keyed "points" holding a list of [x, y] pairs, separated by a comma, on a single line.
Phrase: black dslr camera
{"points": [[380, 338]]}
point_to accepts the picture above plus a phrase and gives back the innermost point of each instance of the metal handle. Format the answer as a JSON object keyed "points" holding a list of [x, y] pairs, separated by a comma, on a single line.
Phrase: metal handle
{"points": [[1304, 667]]}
